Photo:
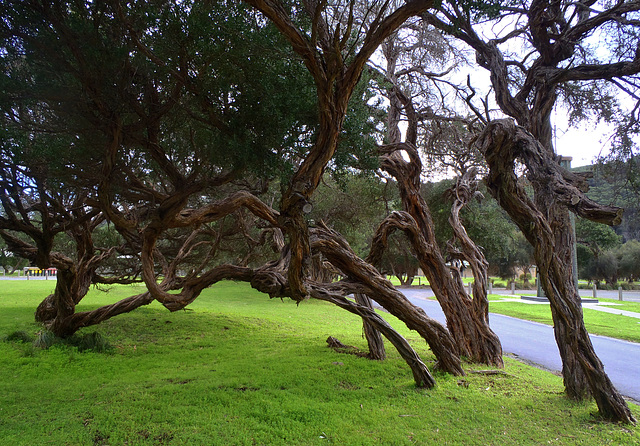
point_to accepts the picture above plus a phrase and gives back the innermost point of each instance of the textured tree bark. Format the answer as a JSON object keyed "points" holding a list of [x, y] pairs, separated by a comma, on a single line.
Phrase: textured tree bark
{"points": [[173, 214], [473, 336], [556, 34], [337, 251], [63, 303], [557, 215], [371, 333], [502, 143], [575, 380], [463, 192], [421, 374], [336, 77], [273, 277], [57, 311], [74, 278]]}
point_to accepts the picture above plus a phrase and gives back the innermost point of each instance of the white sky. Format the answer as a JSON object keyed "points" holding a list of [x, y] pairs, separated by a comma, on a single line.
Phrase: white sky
{"points": [[584, 143]]}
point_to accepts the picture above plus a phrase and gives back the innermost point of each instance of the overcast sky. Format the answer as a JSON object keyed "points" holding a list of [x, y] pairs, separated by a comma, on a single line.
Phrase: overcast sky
{"points": [[584, 144]]}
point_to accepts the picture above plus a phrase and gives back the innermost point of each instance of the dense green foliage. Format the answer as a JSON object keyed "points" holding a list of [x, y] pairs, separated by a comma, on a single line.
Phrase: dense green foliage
{"points": [[354, 205]]}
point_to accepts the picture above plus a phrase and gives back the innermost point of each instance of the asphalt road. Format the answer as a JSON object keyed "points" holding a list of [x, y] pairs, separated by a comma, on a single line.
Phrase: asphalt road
{"points": [[631, 296], [534, 342]]}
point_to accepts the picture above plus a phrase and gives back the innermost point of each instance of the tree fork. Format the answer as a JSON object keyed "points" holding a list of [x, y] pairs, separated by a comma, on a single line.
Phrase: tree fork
{"points": [[335, 81]]}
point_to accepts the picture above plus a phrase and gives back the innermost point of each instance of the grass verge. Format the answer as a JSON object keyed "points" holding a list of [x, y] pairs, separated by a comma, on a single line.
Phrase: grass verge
{"points": [[238, 368], [597, 322]]}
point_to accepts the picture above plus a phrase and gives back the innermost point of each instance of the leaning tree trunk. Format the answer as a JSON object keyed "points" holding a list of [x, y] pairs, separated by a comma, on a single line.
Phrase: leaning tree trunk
{"points": [[57, 312], [558, 217], [271, 279], [473, 336], [463, 192], [575, 380], [323, 272], [371, 333], [335, 77], [502, 143], [337, 251], [421, 374]]}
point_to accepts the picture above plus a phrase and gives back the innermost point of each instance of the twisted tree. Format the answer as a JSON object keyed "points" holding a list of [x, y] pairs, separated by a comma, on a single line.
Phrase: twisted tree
{"points": [[557, 58], [466, 319], [172, 133], [504, 144], [37, 216]]}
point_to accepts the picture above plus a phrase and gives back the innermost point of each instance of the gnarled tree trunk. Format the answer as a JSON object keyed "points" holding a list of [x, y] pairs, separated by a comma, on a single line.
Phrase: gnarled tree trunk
{"points": [[337, 251], [472, 334], [474, 338], [463, 192], [421, 374], [371, 333], [502, 143], [575, 380], [335, 76]]}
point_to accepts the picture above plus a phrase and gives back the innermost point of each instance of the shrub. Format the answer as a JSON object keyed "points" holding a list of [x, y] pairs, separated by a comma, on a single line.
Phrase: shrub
{"points": [[19, 336], [93, 341], [90, 341], [46, 339]]}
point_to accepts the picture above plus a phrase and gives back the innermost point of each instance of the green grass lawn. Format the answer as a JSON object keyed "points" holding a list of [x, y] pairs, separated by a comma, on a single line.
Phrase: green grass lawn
{"points": [[597, 322], [240, 369]]}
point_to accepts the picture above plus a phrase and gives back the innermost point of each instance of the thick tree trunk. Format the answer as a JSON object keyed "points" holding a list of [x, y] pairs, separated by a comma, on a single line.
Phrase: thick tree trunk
{"points": [[473, 336], [371, 333], [54, 311], [336, 77], [502, 143], [559, 220], [575, 381], [338, 252], [57, 311]]}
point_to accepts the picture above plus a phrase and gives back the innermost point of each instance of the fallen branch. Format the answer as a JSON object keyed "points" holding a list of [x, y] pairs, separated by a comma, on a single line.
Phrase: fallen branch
{"points": [[491, 372], [339, 347]]}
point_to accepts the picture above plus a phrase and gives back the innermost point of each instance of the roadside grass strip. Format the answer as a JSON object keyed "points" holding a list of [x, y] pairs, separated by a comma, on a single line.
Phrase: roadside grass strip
{"points": [[618, 326]]}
